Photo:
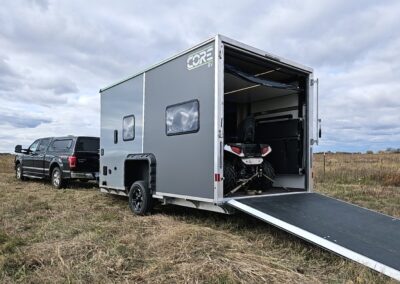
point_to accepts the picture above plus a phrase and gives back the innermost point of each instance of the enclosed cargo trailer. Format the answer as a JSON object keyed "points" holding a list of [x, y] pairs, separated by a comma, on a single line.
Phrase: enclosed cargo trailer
{"points": [[197, 130]]}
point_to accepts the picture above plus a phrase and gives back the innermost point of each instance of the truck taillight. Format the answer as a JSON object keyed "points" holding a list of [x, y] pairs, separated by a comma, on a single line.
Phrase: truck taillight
{"points": [[72, 161], [265, 150], [236, 150]]}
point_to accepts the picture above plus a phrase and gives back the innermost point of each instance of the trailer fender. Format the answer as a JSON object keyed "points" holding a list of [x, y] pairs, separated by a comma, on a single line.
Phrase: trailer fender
{"points": [[140, 167]]}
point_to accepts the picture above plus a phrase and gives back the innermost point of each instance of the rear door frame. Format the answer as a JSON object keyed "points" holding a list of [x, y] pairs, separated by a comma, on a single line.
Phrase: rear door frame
{"points": [[220, 43]]}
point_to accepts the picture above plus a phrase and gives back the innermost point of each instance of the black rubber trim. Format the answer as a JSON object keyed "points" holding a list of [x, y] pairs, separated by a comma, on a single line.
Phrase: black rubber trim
{"points": [[152, 167]]}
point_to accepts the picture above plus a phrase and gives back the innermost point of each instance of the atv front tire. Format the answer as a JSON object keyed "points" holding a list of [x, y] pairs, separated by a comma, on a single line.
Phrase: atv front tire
{"points": [[230, 178]]}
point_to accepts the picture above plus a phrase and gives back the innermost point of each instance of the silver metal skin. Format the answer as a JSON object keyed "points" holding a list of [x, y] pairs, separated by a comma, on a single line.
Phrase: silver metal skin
{"points": [[116, 103]]}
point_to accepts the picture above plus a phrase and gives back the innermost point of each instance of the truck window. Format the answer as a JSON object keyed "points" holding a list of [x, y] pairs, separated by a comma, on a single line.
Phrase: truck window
{"points": [[44, 143], [86, 144], [34, 145], [182, 118], [60, 145], [128, 128]]}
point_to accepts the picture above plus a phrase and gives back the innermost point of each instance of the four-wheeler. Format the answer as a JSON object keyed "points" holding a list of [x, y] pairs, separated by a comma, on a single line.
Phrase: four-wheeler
{"points": [[245, 166]]}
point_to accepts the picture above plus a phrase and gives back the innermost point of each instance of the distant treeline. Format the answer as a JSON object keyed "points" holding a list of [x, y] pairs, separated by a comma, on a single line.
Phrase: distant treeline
{"points": [[387, 151]]}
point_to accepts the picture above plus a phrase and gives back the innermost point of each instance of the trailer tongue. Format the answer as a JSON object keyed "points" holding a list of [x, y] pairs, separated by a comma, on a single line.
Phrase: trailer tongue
{"points": [[365, 236]]}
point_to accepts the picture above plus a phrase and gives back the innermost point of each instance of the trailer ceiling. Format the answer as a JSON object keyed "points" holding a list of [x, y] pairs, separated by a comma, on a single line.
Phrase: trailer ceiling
{"points": [[260, 67], [239, 90]]}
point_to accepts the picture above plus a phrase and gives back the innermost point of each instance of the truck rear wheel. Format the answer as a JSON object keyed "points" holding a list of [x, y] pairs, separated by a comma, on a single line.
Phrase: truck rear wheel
{"points": [[140, 199], [56, 178]]}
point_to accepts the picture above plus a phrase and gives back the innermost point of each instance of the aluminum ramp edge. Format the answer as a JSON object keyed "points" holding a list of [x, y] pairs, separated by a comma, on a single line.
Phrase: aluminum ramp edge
{"points": [[373, 264]]}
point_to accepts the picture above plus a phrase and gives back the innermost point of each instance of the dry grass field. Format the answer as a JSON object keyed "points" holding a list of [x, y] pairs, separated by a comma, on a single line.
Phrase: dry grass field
{"points": [[79, 235]]}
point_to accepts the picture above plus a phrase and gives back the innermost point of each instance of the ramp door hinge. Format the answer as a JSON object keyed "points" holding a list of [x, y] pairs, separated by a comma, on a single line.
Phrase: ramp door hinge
{"points": [[313, 81]]}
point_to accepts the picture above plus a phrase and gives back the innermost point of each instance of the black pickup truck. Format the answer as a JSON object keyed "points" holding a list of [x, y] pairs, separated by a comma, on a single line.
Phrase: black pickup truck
{"points": [[59, 159]]}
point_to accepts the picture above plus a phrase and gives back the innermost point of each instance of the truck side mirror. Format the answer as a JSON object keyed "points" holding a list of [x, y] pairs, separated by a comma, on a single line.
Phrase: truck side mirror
{"points": [[320, 133], [18, 149]]}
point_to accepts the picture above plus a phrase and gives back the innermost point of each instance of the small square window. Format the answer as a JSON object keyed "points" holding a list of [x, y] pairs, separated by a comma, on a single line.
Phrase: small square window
{"points": [[128, 128], [182, 118]]}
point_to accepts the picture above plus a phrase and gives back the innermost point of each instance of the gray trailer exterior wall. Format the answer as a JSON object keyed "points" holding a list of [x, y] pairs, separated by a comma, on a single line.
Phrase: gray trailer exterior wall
{"points": [[185, 163], [119, 101]]}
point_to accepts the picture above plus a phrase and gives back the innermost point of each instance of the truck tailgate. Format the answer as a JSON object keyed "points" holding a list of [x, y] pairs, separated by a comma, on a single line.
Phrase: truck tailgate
{"points": [[87, 162]]}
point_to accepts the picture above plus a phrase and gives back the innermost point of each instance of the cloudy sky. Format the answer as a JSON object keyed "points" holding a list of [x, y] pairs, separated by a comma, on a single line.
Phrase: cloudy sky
{"points": [[56, 55]]}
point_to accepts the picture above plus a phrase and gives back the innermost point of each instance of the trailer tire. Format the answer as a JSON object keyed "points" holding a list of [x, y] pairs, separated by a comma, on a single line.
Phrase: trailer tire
{"points": [[230, 178], [269, 171], [140, 199]]}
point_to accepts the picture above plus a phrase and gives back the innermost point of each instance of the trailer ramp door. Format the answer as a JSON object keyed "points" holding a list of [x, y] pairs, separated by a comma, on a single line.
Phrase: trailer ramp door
{"points": [[360, 234]]}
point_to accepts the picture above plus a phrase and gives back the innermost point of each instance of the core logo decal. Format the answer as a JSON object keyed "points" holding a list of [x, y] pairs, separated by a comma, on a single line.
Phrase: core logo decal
{"points": [[200, 58]]}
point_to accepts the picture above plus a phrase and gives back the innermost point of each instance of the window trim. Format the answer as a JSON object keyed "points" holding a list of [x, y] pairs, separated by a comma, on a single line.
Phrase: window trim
{"points": [[134, 127], [183, 132]]}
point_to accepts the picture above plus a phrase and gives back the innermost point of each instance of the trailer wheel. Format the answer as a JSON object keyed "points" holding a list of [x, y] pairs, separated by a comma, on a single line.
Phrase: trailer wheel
{"points": [[18, 172], [56, 178], [269, 171], [140, 199], [229, 176]]}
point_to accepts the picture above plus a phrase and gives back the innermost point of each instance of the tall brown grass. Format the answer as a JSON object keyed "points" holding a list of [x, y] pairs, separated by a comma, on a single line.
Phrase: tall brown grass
{"points": [[79, 235], [367, 169]]}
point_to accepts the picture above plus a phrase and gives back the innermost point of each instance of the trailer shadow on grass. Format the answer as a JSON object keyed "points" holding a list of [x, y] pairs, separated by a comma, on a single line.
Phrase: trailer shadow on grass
{"points": [[238, 223]]}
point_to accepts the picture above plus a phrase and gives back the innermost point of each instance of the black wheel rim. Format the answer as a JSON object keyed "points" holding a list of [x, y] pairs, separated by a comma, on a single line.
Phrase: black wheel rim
{"points": [[137, 198]]}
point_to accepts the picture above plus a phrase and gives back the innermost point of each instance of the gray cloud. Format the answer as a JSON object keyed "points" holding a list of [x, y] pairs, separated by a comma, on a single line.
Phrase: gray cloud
{"points": [[22, 121], [56, 55]]}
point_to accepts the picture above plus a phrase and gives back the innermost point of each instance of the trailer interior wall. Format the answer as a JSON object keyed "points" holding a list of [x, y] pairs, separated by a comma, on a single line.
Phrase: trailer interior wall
{"points": [[280, 113]]}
